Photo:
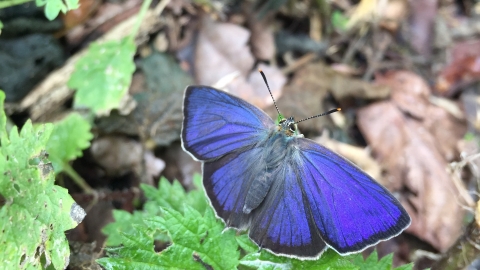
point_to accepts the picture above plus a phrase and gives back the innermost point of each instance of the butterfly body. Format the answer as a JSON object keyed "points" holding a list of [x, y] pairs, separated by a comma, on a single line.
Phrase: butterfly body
{"points": [[295, 196]]}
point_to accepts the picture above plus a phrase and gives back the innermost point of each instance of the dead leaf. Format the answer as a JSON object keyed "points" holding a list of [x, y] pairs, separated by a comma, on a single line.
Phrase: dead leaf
{"points": [[422, 19], [119, 155], [415, 154], [276, 80], [408, 91], [304, 97], [222, 49], [262, 39]]}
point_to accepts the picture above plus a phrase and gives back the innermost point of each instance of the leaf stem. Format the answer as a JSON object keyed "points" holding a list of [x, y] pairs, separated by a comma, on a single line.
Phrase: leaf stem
{"points": [[77, 178], [141, 15]]}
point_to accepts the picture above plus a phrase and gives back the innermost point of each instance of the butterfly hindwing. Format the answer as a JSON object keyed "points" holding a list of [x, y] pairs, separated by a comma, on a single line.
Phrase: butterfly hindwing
{"points": [[227, 181], [351, 210], [283, 223], [216, 123]]}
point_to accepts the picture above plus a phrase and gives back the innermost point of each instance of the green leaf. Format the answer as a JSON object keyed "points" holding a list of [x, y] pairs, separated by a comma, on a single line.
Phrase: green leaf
{"points": [[372, 262], [102, 76], [339, 21], [137, 251], [167, 195], [69, 137], [36, 213], [53, 7], [267, 261], [124, 222], [196, 241], [193, 234], [174, 196]]}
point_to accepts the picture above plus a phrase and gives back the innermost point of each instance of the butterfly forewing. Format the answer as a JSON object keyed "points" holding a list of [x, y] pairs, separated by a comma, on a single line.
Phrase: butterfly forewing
{"points": [[216, 123]]}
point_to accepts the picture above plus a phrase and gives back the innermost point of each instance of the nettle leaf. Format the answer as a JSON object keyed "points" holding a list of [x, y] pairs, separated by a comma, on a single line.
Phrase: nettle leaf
{"points": [[36, 212], [53, 7], [69, 137], [103, 75], [372, 262], [197, 241], [171, 195], [266, 261]]}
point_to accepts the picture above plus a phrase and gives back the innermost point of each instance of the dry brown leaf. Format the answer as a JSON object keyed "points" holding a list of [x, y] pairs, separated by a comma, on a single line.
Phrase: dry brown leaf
{"points": [[422, 21], [120, 155], [262, 40], [415, 154], [221, 49], [276, 81], [409, 91]]}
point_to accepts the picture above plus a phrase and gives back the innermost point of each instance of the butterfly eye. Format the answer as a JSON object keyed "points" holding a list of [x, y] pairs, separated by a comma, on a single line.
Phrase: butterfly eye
{"points": [[292, 127]]}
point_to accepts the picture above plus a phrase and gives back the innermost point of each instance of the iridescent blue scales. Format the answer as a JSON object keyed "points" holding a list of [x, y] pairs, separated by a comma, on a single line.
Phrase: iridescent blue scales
{"points": [[295, 196]]}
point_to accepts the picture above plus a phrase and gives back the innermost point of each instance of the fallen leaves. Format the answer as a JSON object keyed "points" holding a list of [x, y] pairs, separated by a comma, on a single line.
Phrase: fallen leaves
{"points": [[222, 55], [415, 140]]}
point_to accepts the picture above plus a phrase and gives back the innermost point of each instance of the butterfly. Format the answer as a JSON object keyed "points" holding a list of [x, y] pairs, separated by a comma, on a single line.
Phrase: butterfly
{"points": [[295, 196]]}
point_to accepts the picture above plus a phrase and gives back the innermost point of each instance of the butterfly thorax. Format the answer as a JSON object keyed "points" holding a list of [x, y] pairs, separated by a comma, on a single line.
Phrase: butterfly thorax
{"points": [[277, 149]]}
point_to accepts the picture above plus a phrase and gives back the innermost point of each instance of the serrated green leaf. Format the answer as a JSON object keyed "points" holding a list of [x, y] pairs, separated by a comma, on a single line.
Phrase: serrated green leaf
{"points": [[102, 76], [266, 261], [173, 196], [137, 251], [167, 195], [196, 241], [246, 244], [36, 213], [69, 137], [193, 234], [372, 262]]}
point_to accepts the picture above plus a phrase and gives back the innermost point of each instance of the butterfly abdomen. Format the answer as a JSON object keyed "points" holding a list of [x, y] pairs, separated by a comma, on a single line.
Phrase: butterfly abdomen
{"points": [[276, 150]]}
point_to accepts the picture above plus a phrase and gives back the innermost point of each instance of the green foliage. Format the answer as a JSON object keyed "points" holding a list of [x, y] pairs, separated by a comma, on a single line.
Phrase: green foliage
{"points": [[69, 137], [169, 195], [372, 263], [103, 75], [53, 7], [199, 240], [339, 21], [266, 261], [36, 213], [196, 239]]}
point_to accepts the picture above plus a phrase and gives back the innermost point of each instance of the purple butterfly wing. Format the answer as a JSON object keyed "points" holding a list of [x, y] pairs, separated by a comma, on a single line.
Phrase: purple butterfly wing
{"points": [[227, 181], [216, 123], [351, 210], [283, 223]]}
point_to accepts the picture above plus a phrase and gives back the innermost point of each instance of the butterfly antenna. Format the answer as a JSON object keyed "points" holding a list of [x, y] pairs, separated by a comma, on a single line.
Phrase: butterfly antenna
{"points": [[265, 80], [323, 114]]}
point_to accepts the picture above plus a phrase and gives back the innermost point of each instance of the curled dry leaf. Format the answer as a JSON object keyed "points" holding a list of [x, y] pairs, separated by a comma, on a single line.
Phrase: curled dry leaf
{"points": [[415, 149]]}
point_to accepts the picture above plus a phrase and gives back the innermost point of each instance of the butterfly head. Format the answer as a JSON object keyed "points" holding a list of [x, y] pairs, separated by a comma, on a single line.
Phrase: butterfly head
{"points": [[288, 126]]}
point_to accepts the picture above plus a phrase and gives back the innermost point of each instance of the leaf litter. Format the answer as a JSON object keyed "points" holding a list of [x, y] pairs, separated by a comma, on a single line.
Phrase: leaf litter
{"points": [[313, 63]]}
